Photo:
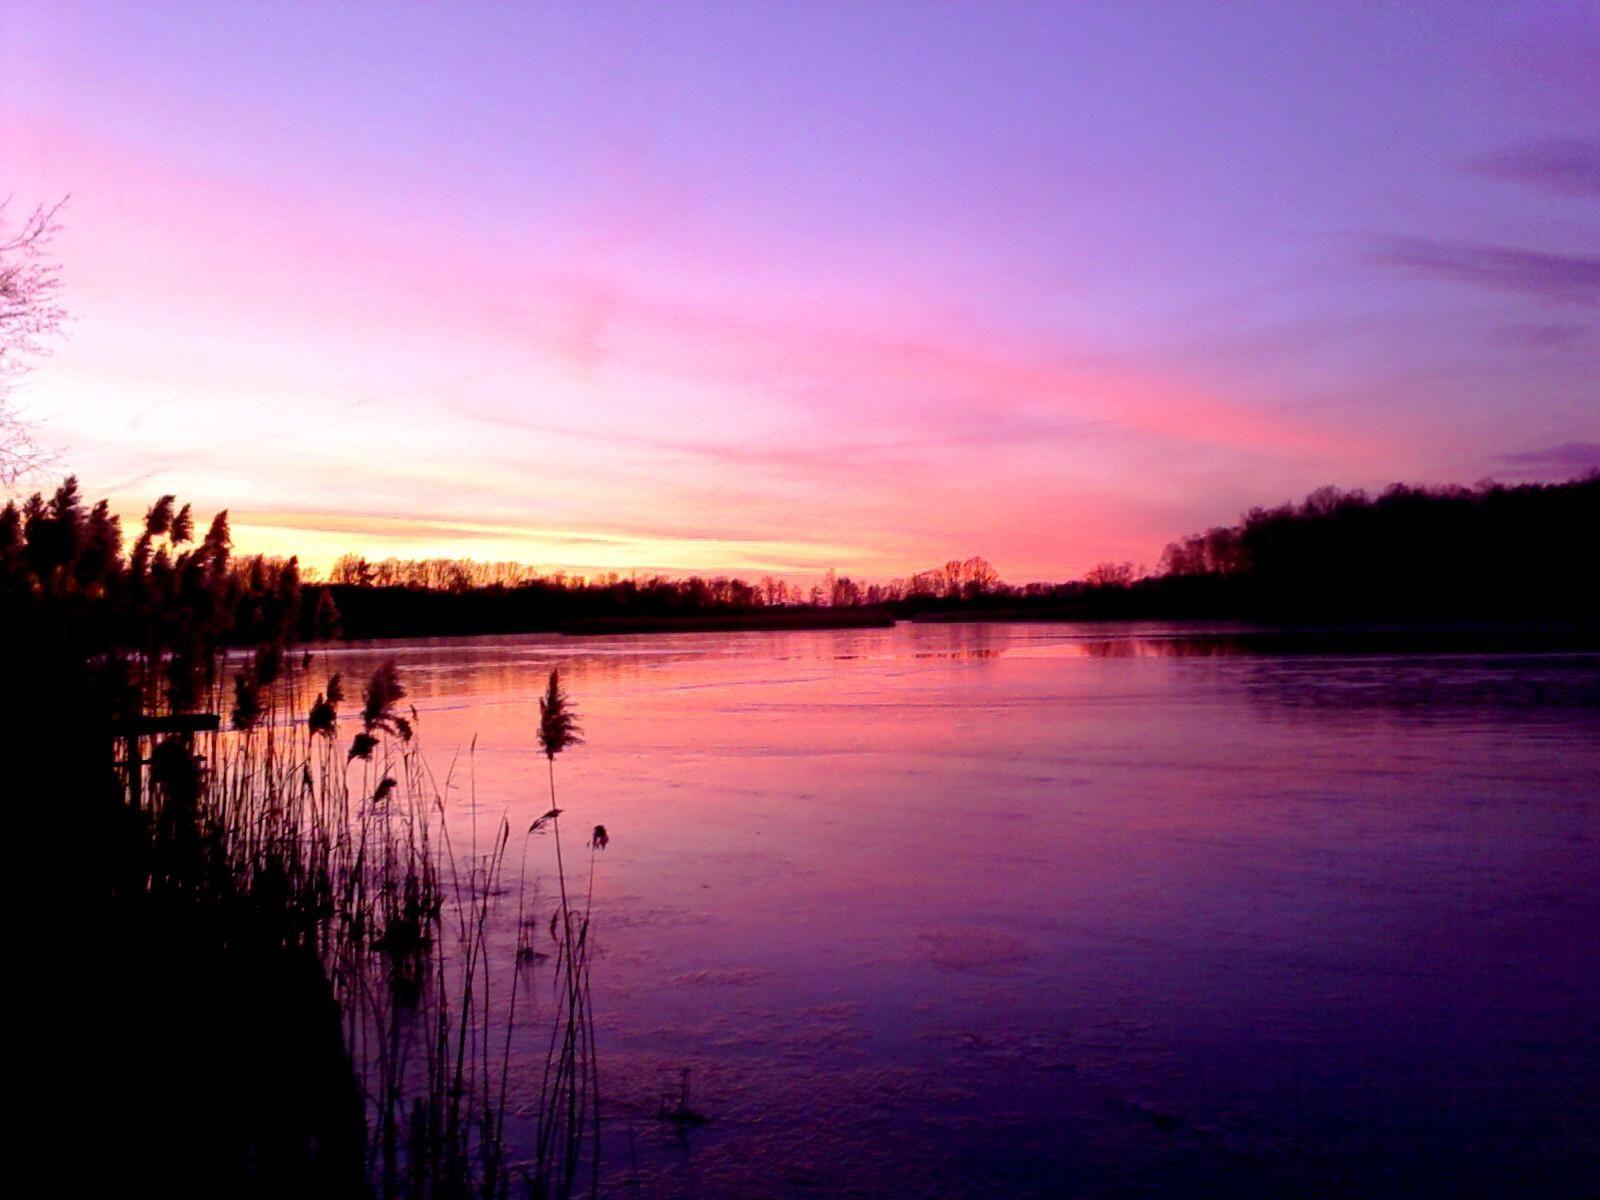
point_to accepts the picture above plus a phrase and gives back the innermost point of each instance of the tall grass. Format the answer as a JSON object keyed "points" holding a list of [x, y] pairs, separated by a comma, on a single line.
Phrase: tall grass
{"points": [[347, 849], [278, 842]]}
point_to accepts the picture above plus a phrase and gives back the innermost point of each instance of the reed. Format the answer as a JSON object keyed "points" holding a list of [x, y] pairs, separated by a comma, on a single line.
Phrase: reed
{"points": [[571, 1067], [284, 844], [347, 853]]}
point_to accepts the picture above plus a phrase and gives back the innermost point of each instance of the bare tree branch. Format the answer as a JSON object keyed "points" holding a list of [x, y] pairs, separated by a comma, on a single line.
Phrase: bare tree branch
{"points": [[30, 281]]}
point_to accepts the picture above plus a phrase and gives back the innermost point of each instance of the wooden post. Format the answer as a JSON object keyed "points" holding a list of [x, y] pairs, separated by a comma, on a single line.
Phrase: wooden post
{"points": [[133, 732], [135, 761]]}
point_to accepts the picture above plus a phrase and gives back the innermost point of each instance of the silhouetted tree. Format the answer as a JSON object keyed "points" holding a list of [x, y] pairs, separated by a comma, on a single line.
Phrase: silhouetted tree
{"points": [[1416, 552], [1110, 574]]}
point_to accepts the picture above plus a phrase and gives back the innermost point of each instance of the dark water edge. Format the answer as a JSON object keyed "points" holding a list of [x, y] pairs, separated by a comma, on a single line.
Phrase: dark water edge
{"points": [[223, 1056], [171, 1043], [1181, 634], [227, 1064], [758, 620], [1331, 639]]}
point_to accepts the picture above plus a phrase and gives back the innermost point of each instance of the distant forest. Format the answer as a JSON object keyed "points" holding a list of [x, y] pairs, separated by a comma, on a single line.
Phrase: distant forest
{"points": [[1414, 553], [1408, 554]]}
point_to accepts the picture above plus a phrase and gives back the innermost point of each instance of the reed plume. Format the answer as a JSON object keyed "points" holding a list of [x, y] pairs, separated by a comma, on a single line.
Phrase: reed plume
{"points": [[378, 715], [558, 723]]}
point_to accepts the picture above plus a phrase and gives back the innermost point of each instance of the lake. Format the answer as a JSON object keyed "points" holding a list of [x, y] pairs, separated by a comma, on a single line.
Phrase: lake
{"points": [[1045, 910]]}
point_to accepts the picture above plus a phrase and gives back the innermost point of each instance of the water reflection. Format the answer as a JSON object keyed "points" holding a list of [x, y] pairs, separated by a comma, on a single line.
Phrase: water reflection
{"points": [[1029, 910], [1296, 670], [1432, 688]]}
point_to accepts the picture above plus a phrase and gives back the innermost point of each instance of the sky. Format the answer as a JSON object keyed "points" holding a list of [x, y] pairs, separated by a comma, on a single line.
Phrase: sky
{"points": [[750, 288]]}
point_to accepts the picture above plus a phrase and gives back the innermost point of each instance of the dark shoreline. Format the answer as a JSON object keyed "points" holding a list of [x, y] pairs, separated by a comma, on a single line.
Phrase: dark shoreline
{"points": [[1492, 557], [755, 620], [1366, 637], [1179, 635]]}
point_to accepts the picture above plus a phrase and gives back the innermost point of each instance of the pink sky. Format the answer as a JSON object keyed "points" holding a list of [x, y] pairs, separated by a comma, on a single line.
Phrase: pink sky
{"points": [[783, 289]]}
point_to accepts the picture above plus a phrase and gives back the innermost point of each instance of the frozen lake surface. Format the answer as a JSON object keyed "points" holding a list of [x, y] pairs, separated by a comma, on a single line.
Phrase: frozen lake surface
{"points": [[1049, 910]]}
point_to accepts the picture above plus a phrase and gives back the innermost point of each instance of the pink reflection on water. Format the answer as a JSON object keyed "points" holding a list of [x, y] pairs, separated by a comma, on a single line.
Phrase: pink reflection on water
{"points": [[915, 903]]}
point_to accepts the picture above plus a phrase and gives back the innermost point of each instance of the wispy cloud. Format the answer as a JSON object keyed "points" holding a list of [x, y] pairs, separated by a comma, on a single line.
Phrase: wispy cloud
{"points": [[384, 526], [1566, 166], [143, 477], [1548, 335], [1568, 458], [318, 536], [1563, 278]]}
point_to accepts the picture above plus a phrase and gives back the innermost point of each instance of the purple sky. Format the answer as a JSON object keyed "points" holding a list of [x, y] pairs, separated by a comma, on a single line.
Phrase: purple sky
{"points": [[747, 287]]}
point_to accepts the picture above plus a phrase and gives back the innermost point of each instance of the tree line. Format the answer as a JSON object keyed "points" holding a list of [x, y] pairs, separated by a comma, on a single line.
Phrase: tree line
{"points": [[955, 580], [1408, 552]]}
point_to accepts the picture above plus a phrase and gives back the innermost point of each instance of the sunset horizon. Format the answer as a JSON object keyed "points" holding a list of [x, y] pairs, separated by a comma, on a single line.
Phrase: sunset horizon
{"points": [[1054, 289]]}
